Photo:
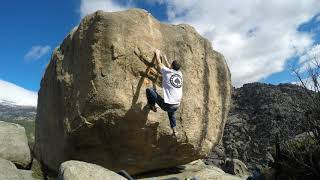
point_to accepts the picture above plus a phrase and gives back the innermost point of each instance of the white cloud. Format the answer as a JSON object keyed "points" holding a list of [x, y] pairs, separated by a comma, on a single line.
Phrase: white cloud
{"points": [[256, 37], [36, 52], [318, 18], [17, 95], [90, 6]]}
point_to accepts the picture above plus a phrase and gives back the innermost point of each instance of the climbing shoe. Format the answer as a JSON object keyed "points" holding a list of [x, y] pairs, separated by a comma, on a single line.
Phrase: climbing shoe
{"points": [[153, 108]]}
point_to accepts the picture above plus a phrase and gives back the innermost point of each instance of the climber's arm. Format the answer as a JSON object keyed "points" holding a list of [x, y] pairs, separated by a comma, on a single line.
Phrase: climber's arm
{"points": [[164, 57], [157, 56]]}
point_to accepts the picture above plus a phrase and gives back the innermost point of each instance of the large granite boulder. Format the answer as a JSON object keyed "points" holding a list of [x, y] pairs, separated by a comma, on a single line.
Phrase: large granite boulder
{"points": [[92, 102], [14, 144], [75, 170]]}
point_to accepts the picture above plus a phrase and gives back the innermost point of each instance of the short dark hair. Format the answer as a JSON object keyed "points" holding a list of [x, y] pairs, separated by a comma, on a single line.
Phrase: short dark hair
{"points": [[175, 65]]}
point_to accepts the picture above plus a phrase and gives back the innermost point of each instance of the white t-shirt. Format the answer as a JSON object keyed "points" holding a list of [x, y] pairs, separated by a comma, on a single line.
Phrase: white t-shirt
{"points": [[172, 85]]}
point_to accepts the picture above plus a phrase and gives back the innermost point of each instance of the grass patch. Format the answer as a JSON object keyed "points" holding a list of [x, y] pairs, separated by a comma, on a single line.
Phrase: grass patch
{"points": [[37, 172]]}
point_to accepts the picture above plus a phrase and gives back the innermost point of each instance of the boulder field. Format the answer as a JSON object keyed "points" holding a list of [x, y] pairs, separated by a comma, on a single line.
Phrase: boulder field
{"points": [[92, 102], [14, 144]]}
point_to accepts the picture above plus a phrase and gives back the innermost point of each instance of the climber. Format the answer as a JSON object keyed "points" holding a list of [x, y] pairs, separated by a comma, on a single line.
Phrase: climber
{"points": [[172, 89]]}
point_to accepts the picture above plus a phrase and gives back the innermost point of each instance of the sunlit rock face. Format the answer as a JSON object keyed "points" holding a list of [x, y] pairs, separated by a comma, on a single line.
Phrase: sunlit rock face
{"points": [[92, 102]]}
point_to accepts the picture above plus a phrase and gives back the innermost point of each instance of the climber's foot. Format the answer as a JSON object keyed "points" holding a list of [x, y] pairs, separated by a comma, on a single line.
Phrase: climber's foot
{"points": [[174, 132], [153, 108]]}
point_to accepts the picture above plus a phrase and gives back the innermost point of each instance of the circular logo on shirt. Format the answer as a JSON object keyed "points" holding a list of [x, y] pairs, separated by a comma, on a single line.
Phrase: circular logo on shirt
{"points": [[176, 81]]}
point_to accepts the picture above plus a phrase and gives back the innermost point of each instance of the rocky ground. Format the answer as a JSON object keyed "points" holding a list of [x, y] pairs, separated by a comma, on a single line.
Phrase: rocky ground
{"points": [[259, 112], [16, 164], [14, 152]]}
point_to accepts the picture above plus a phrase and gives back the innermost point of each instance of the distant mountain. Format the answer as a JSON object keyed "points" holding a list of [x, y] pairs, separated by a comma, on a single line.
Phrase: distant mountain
{"points": [[13, 113], [16, 103], [11, 94]]}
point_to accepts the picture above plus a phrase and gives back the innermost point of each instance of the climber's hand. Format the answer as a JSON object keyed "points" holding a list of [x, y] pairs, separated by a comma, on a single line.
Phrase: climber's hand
{"points": [[157, 52], [158, 59]]}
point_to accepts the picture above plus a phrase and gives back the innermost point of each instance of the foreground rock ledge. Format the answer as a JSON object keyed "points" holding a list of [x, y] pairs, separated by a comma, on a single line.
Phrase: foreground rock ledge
{"points": [[196, 169], [76, 170], [8, 171], [14, 144], [92, 97]]}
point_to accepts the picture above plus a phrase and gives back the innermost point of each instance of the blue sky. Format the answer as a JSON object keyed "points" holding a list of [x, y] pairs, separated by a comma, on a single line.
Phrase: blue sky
{"points": [[279, 35], [32, 23]]}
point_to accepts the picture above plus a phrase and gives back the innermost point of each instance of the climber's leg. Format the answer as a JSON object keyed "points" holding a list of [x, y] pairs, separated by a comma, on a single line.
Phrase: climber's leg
{"points": [[153, 97], [172, 119]]}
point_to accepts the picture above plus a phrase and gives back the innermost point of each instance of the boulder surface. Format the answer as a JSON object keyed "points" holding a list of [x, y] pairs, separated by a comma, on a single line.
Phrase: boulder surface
{"points": [[14, 144], [195, 170], [92, 102], [75, 170], [8, 171]]}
